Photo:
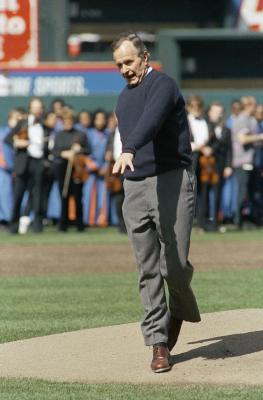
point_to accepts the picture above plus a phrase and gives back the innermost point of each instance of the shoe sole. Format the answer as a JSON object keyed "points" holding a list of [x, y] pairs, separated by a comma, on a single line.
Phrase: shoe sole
{"points": [[157, 371]]}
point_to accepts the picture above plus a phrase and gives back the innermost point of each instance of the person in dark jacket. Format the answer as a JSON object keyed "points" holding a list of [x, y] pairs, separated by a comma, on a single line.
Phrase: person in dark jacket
{"points": [[70, 148], [160, 194], [221, 145]]}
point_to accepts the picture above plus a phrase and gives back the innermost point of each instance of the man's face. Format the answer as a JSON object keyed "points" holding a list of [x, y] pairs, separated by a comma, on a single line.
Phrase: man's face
{"points": [[68, 124], [100, 121], [236, 108], [36, 108], [85, 119], [58, 108], [195, 108], [51, 120], [215, 113], [130, 64]]}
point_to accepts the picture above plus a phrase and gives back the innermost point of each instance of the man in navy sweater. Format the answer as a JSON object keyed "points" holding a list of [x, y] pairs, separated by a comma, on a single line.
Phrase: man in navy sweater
{"points": [[160, 192]]}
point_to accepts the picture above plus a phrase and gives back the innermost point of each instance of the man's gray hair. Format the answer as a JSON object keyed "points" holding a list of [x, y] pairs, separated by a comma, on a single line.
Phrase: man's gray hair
{"points": [[131, 37]]}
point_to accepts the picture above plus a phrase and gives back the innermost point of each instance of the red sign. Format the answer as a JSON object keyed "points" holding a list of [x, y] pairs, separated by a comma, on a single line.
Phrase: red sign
{"points": [[260, 5], [19, 32], [251, 13]]}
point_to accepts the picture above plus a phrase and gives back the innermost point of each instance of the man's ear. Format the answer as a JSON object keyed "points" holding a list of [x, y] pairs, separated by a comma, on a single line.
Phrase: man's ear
{"points": [[146, 57]]}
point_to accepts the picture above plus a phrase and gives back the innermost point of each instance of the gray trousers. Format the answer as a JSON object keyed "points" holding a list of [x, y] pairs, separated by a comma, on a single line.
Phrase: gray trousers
{"points": [[158, 213]]}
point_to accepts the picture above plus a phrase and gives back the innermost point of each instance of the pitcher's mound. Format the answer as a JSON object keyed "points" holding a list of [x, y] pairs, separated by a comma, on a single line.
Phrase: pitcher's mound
{"points": [[225, 348]]}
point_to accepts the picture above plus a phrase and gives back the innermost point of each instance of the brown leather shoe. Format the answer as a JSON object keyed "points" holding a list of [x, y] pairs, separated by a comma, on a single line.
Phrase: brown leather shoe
{"points": [[173, 332], [160, 361]]}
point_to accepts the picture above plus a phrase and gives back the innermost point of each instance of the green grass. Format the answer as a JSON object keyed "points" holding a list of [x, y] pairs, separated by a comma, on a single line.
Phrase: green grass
{"points": [[51, 236], [250, 235], [35, 306], [110, 235], [24, 389]]}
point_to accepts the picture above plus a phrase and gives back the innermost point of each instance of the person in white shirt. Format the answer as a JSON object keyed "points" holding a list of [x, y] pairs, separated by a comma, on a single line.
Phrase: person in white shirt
{"points": [[114, 182], [28, 140], [220, 141], [198, 127], [200, 151]]}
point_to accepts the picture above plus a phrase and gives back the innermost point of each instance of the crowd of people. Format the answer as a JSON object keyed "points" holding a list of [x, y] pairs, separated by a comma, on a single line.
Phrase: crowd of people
{"points": [[56, 166], [228, 159]]}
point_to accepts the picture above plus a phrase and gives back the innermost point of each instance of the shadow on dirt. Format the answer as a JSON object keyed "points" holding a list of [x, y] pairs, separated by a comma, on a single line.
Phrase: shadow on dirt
{"points": [[226, 346]]}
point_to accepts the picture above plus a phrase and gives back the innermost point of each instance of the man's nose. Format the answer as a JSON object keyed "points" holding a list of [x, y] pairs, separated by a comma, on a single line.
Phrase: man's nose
{"points": [[124, 69]]}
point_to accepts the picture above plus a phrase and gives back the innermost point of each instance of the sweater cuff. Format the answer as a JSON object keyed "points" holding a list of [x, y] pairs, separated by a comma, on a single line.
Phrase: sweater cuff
{"points": [[128, 150]]}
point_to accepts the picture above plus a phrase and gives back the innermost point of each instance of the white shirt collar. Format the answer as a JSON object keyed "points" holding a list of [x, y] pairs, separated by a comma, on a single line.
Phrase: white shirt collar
{"points": [[148, 70]]}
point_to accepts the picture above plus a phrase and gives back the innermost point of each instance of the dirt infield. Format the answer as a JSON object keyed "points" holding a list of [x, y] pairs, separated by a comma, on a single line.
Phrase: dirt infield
{"points": [[28, 260], [225, 348]]}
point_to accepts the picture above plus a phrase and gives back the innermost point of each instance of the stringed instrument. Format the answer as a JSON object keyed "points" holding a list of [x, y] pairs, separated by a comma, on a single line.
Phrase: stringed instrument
{"points": [[113, 181], [76, 170], [22, 134], [79, 169], [208, 173]]}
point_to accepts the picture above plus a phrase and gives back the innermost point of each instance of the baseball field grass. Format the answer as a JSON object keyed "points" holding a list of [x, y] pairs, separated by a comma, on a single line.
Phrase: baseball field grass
{"points": [[23, 389], [37, 306], [35, 303]]}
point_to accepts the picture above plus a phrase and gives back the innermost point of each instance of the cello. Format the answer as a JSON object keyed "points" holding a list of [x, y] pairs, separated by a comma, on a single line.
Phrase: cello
{"points": [[113, 181], [208, 173], [76, 170], [21, 134]]}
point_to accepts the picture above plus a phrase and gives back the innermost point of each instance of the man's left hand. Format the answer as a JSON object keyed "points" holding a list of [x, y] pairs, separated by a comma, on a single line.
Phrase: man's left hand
{"points": [[123, 162]]}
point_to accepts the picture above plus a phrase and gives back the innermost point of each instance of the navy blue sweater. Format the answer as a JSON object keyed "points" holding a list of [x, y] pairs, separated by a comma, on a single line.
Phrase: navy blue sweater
{"points": [[153, 126]]}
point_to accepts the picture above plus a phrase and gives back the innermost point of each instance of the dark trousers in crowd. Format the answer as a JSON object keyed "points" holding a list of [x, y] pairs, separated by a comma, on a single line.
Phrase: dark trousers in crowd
{"points": [[204, 206], [30, 180], [75, 189], [242, 177], [256, 191], [48, 180], [218, 187], [202, 212]]}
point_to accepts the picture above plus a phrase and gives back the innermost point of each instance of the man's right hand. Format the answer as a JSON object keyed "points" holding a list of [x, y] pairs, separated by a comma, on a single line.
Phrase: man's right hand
{"points": [[20, 143], [76, 148], [207, 151], [123, 162]]}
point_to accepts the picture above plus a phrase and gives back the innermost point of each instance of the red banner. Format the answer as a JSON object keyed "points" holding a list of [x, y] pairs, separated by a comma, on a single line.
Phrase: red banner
{"points": [[19, 32], [260, 5], [251, 13]]}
